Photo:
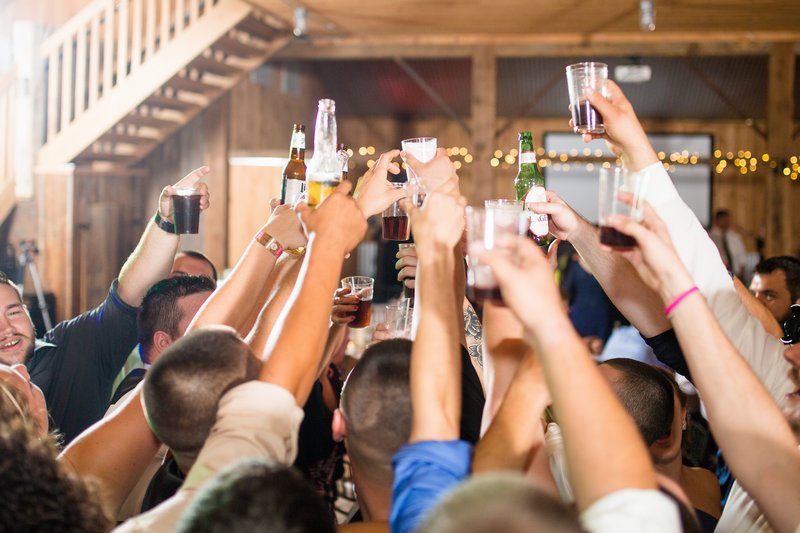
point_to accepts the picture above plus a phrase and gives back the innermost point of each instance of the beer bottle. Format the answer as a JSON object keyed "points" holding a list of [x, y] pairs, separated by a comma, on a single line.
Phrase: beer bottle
{"points": [[294, 173], [325, 168], [529, 187]]}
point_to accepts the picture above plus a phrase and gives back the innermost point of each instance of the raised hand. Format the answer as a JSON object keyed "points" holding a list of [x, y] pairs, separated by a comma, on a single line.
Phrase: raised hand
{"points": [[344, 303], [564, 221], [285, 226], [440, 222], [374, 192], [435, 172], [338, 220], [406, 266], [192, 179]]}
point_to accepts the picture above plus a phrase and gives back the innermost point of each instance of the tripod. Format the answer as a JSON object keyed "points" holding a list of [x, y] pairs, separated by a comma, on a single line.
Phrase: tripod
{"points": [[27, 257]]}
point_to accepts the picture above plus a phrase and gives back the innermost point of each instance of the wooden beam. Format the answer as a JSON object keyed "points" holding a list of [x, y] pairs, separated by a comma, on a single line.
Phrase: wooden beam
{"points": [[780, 125], [432, 94], [484, 110], [541, 44]]}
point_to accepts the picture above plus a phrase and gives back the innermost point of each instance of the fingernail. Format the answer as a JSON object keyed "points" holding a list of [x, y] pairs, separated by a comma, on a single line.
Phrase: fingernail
{"points": [[588, 91]]}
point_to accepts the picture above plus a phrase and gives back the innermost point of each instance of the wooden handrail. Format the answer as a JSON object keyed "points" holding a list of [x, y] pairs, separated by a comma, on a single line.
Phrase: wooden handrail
{"points": [[91, 55]]}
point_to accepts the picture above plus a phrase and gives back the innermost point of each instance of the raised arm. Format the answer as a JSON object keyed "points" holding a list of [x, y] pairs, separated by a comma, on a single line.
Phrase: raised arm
{"points": [[754, 436], [242, 294], [152, 259], [115, 451], [297, 343], [604, 450], [435, 355]]}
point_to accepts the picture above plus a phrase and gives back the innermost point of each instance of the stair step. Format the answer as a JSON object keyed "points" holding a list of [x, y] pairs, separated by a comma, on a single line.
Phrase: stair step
{"points": [[236, 48], [147, 121], [206, 64], [257, 28], [193, 86], [169, 102], [106, 156], [124, 138]]}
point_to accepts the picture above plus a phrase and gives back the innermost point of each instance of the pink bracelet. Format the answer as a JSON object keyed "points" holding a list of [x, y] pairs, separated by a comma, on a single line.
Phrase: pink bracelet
{"points": [[671, 307]]}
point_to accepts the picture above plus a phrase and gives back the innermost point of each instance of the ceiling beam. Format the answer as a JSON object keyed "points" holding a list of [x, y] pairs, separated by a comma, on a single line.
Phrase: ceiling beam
{"points": [[551, 45]]}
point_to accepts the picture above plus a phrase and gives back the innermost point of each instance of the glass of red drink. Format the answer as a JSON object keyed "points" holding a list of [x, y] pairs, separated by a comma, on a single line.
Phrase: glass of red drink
{"points": [[487, 230], [580, 76], [621, 193], [362, 287], [396, 226]]}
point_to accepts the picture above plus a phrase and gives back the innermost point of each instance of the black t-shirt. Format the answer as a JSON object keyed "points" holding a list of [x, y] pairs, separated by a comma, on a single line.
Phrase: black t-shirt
{"points": [[472, 400], [668, 350], [76, 362]]}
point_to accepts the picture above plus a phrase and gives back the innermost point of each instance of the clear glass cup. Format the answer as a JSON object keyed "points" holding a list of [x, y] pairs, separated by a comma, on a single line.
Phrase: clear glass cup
{"points": [[396, 225], [423, 149], [621, 193], [362, 287], [398, 319], [580, 76]]}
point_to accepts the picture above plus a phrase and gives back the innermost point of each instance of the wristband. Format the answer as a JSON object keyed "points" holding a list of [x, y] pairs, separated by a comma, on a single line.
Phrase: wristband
{"points": [[671, 307], [268, 241], [165, 225]]}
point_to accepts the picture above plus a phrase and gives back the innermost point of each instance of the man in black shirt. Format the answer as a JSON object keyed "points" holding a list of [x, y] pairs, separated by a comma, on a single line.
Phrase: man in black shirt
{"points": [[75, 362]]}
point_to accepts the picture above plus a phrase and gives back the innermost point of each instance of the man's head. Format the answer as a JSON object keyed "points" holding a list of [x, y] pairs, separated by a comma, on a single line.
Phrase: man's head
{"points": [[722, 219], [37, 494], [17, 334], [192, 263], [501, 502], [258, 495], [645, 393], [166, 311], [183, 388], [776, 284], [374, 416]]}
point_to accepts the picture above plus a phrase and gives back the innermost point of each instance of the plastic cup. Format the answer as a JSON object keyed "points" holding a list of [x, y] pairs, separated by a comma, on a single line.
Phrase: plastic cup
{"points": [[621, 193], [186, 209], [580, 76], [398, 318], [362, 287], [423, 149], [396, 226]]}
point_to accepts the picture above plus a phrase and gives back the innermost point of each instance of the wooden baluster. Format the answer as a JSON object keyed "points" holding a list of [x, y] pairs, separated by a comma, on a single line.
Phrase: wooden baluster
{"points": [[52, 93], [194, 10], [179, 14], [80, 71], [108, 48], [136, 41], [150, 32], [66, 83], [94, 59], [166, 13], [122, 42]]}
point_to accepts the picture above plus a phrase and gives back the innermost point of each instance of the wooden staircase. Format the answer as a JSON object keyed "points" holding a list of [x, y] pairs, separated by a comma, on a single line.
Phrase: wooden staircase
{"points": [[7, 124], [123, 75]]}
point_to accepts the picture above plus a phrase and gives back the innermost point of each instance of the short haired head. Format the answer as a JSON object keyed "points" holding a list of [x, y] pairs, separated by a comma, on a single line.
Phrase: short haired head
{"points": [[646, 394], [183, 388], [5, 280], [37, 494], [193, 263], [505, 502], [257, 495], [791, 268], [160, 311], [376, 405]]}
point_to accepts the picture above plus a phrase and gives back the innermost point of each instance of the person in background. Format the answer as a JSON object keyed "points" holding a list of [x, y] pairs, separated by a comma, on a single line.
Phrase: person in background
{"points": [[729, 243], [776, 284]]}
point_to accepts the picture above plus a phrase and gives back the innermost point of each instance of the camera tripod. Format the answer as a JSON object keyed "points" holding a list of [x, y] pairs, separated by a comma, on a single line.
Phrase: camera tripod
{"points": [[27, 257]]}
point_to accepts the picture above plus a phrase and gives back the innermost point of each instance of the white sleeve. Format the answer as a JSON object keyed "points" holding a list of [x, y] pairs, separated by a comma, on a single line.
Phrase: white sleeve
{"points": [[762, 352], [632, 510]]}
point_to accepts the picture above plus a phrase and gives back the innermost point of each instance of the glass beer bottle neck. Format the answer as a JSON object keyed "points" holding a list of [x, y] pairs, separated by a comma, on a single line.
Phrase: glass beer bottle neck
{"points": [[297, 154]]}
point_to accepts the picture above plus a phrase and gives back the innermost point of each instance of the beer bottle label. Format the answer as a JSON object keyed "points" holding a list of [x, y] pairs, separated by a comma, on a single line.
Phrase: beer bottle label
{"points": [[294, 188], [527, 158], [539, 223], [299, 140]]}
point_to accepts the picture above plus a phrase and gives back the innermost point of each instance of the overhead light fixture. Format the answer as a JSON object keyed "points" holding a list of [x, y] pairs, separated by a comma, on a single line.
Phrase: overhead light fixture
{"points": [[633, 72], [300, 22], [647, 15]]}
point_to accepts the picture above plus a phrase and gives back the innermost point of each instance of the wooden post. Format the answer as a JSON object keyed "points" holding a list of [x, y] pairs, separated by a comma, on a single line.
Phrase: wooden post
{"points": [[56, 194], [780, 113], [484, 109], [215, 220]]}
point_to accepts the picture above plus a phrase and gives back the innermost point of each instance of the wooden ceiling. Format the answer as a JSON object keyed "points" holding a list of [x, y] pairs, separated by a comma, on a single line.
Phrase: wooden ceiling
{"points": [[431, 28]]}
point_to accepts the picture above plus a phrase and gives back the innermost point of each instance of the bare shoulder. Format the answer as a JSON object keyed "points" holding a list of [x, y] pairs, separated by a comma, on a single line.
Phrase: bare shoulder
{"points": [[702, 487]]}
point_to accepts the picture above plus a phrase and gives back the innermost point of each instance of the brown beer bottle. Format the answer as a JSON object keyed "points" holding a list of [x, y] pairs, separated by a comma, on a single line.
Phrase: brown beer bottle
{"points": [[294, 173]]}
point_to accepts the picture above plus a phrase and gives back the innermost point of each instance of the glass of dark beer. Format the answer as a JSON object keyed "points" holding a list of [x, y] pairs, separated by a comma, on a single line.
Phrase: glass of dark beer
{"points": [[486, 230], [580, 76], [621, 193], [396, 226], [186, 209], [362, 287]]}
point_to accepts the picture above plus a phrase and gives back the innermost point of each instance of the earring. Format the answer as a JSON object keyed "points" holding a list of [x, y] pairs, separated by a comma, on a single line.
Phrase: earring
{"points": [[684, 426]]}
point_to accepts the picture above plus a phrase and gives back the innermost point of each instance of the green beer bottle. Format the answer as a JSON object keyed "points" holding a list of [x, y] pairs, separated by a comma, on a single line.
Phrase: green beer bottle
{"points": [[529, 187]]}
